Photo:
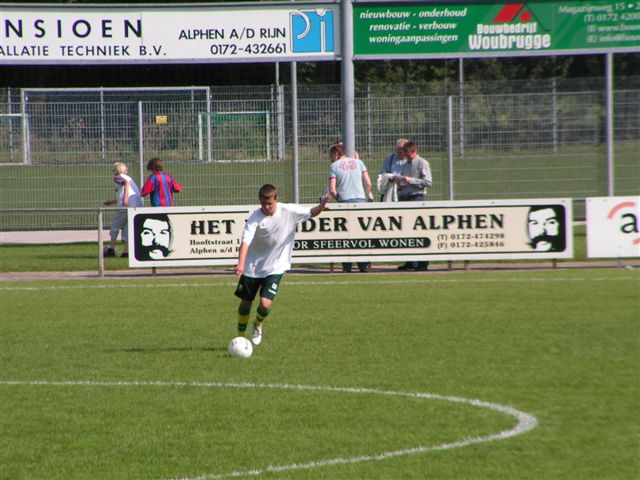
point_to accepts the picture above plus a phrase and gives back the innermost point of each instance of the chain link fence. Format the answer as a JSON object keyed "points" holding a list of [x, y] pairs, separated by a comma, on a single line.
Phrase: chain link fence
{"points": [[516, 139]]}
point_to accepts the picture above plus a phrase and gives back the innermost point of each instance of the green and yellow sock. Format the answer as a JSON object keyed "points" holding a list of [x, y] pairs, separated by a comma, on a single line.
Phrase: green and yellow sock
{"points": [[243, 319], [261, 314]]}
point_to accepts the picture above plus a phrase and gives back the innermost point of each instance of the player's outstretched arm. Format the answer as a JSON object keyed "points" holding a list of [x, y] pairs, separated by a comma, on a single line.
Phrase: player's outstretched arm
{"points": [[315, 211]]}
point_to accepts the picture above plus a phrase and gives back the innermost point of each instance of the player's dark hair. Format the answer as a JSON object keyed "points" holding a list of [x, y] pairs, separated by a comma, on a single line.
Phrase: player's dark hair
{"points": [[268, 191], [155, 165], [409, 147], [336, 149]]}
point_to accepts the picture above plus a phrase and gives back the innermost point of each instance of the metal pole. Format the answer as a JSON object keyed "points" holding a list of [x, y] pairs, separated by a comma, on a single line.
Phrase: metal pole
{"points": [[200, 139], [369, 130], [194, 113], [609, 124], [450, 141], [347, 80], [209, 138], [268, 122], [282, 137], [26, 139], [272, 108], [10, 110], [461, 107], [294, 126], [102, 126], [141, 142], [24, 121], [100, 242], [554, 115]]}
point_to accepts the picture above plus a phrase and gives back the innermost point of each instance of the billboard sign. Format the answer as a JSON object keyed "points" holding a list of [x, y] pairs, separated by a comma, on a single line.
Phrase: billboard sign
{"points": [[462, 230], [73, 34], [613, 227], [491, 29]]}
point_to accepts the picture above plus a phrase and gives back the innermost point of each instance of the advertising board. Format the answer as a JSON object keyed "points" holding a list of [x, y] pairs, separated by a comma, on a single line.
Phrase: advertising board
{"points": [[73, 34], [490, 29], [613, 227], [376, 232]]}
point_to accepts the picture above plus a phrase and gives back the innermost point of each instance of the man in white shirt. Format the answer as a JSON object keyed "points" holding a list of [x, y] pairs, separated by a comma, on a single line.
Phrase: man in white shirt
{"points": [[265, 254]]}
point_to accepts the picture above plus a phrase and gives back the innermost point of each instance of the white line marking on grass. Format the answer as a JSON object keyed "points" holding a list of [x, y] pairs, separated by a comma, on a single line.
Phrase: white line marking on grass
{"points": [[525, 421], [293, 283]]}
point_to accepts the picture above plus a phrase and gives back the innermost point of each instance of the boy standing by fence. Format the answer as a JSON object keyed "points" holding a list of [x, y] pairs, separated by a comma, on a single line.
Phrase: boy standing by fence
{"points": [[128, 195], [160, 185]]}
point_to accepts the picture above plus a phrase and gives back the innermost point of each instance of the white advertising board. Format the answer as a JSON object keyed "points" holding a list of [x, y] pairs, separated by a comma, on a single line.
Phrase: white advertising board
{"points": [[463, 230], [73, 34], [613, 227]]}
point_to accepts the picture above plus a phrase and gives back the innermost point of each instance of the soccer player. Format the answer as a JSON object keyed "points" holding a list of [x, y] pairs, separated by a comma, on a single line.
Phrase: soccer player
{"points": [[160, 185], [265, 254], [128, 197]]}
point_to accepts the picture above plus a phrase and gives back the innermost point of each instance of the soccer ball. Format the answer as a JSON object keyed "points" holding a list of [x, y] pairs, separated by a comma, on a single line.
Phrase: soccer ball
{"points": [[240, 347]]}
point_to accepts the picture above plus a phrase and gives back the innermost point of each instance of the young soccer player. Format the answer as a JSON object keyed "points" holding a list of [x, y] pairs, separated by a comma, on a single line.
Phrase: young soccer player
{"points": [[160, 185], [128, 196], [265, 254]]}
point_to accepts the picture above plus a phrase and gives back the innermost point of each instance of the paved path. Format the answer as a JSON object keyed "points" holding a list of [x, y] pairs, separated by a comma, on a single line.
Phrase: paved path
{"points": [[52, 236]]}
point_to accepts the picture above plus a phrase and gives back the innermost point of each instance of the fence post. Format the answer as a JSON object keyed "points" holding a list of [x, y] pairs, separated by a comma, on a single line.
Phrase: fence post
{"points": [[609, 123], [294, 127], [103, 134], [554, 115], [369, 128], [141, 141], [450, 141], [461, 106], [282, 138], [209, 134], [24, 121], [10, 111], [347, 82], [100, 251], [450, 146], [200, 139]]}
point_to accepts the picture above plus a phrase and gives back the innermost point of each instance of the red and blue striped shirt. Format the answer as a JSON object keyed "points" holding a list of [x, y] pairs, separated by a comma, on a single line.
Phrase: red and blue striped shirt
{"points": [[161, 187]]}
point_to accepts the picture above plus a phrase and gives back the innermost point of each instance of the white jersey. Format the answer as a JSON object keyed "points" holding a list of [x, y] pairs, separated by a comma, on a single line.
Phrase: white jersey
{"points": [[270, 239], [134, 198]]}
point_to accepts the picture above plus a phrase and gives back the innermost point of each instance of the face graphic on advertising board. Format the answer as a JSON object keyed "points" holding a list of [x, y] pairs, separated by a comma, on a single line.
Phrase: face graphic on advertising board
{"points": [[546, 228], [153, 236]]}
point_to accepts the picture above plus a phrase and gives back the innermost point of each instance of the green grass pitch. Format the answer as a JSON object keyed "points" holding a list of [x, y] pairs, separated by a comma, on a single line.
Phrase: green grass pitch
{"points": [[130, 379]]}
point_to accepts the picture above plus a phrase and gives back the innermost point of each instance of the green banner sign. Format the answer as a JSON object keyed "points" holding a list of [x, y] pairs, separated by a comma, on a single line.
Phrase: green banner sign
{"points": [[490, 29]]}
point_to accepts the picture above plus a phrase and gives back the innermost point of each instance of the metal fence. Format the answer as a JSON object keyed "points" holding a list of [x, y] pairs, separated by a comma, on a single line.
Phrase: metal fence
{"points": [[483, 140]]}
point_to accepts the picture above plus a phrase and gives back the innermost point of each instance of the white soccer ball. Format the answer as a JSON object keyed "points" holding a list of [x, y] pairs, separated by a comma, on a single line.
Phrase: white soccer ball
{"points": [[240, 347]]}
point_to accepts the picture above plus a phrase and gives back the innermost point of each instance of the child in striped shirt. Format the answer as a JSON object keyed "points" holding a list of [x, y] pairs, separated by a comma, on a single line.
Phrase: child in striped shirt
{"points": [[159, 185]]}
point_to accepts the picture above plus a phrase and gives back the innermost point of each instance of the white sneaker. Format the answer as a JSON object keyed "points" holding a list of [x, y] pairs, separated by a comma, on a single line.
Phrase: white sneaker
{"points": [[256, 336]]}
